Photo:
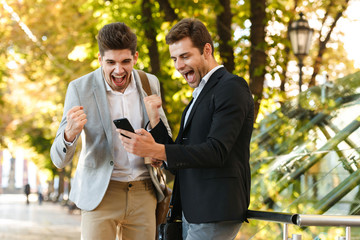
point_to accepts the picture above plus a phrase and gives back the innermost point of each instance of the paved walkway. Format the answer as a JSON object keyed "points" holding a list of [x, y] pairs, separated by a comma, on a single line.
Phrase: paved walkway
{"points": [[48, 221]]}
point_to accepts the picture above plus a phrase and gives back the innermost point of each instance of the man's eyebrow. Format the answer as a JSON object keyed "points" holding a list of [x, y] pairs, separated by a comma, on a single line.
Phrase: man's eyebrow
{"points": [[181, 55], [112, 60]]}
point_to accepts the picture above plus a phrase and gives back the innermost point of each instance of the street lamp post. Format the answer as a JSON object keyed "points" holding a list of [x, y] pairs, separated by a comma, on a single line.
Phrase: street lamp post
{"points": [[300, 37]]}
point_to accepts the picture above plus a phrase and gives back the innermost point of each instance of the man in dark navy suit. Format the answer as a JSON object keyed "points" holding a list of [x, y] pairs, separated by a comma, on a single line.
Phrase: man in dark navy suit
{"points": [[211, 153]]}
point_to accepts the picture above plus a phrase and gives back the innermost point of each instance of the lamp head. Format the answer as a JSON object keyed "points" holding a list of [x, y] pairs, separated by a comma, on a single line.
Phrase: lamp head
{"points": [[300, 35]]}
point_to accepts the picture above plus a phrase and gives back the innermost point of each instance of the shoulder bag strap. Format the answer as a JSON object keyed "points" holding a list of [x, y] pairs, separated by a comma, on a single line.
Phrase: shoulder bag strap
{"points": [[144, 82]]}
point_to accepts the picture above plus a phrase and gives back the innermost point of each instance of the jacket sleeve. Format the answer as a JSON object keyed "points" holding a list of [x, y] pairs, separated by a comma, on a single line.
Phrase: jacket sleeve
{"points": [[160, 133], [61, 154]]}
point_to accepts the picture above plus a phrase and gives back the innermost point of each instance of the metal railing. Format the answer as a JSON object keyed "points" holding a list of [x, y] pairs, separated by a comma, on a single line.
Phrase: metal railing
{"points": [[302, 220]]}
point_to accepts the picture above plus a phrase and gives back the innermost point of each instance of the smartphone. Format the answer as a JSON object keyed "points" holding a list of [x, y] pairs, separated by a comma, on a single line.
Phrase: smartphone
{"points": [[123, 123]]}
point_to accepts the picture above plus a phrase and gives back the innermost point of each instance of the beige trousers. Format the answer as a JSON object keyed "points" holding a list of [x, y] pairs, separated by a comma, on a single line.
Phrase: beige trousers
{"points": [[127, 211]]}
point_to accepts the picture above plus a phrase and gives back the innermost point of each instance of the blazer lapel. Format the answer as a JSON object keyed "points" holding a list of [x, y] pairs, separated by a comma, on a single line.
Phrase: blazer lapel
{"points": [[213, 80], [183, 119], [99, 91]]}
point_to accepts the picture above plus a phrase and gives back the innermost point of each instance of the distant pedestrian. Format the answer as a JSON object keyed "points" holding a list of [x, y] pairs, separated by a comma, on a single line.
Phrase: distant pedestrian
{"points": [[27, 192], [40, 195]]}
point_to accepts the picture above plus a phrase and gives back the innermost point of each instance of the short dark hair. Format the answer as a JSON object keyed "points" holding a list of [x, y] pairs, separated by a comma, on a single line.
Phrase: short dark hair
{"points": [[116, 36], [192, 28]]}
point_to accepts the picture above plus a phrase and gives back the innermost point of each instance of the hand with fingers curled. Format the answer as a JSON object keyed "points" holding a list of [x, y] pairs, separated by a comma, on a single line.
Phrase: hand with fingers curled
{"points": [[152, 104], [138, 143], [76, 120], [156, 162], [142, 144]]}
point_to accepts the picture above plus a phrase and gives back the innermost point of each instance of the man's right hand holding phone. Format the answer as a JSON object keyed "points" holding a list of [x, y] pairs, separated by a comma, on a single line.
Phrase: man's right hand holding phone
{"points": [[142, 144], [76, 119]]}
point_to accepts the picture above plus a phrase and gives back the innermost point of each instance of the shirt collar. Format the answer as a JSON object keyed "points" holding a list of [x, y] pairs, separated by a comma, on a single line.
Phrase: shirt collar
{"points": [[208, 75], [204, 80]]}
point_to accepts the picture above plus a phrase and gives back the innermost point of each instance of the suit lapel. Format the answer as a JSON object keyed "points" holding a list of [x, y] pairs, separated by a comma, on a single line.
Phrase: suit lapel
{"points": [[99, 91], [213, 80], [183, 119]]}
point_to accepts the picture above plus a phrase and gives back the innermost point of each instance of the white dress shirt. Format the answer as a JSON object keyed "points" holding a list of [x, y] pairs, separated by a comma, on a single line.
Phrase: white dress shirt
{"points": [[127, 167]]}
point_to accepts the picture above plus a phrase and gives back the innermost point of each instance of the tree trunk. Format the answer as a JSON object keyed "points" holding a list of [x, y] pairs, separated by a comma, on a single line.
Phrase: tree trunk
{"points": [[61, 184], [257, 52], [150, 34], [169, 12], [223, 24], [322, 44]]}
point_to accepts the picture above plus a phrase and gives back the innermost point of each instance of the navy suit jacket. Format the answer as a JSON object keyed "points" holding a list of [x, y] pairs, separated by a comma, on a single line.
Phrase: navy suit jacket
{"points": [[211, 153]]}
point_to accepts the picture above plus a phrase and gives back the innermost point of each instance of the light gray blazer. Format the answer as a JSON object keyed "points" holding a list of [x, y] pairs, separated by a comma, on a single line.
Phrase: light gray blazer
{"points": [[96, 161]]}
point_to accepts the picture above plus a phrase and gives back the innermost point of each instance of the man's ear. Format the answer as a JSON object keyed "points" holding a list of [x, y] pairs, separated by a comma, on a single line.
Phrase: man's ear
{"points": [[136, 56], [207, 50], [99, 58]]}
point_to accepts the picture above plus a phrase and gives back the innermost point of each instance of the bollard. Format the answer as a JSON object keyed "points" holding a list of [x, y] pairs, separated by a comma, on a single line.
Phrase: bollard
{"points": [[285, 231], [296, 237], [348, 233]]}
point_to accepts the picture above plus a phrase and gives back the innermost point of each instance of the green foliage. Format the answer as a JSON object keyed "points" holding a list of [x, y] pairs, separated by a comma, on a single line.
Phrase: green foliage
{"points": [[36, 67]]}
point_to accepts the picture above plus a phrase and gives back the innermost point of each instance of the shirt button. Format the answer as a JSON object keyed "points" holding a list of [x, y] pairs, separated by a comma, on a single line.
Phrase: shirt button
{"points": [[130, 185], [111, 163], [64, 150]]}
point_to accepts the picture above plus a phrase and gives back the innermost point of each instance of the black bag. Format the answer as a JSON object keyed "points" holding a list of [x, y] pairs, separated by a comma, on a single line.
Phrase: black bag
{"points": [[162, 208], [170, 231], [172, 228]]}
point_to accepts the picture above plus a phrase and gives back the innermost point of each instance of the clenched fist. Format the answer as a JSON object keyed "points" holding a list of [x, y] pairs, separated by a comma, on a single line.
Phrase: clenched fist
{"points": [[76, 119], [152, 105]]}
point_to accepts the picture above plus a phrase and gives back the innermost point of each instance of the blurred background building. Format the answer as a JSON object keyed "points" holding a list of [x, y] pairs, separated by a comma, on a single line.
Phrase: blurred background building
{"points": [[16, 171]]}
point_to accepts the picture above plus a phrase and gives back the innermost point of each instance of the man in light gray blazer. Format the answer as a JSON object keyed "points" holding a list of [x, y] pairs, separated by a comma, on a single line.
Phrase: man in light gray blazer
{"points": [[116, 191]]}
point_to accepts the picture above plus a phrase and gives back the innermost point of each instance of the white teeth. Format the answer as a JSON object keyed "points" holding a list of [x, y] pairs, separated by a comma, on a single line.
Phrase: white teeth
{"points": [[118, 76]]}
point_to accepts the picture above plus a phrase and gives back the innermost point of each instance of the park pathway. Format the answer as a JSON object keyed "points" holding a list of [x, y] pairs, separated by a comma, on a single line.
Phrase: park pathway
{"points": [[48, 221]]}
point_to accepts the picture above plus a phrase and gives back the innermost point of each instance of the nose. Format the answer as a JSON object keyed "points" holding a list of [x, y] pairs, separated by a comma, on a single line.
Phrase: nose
{"points": [[118, 69], [179, 64]]}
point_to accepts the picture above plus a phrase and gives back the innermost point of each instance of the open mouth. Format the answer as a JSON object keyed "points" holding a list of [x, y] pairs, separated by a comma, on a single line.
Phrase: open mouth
{"points": [[118, 80], [189, 76]]}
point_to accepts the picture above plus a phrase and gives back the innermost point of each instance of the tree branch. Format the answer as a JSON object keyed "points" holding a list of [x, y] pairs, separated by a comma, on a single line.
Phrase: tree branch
{"points": [[322, 44]]}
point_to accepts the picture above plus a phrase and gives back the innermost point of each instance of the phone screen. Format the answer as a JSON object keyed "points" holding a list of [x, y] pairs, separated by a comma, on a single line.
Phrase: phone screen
{"points": [[123, 123]]}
